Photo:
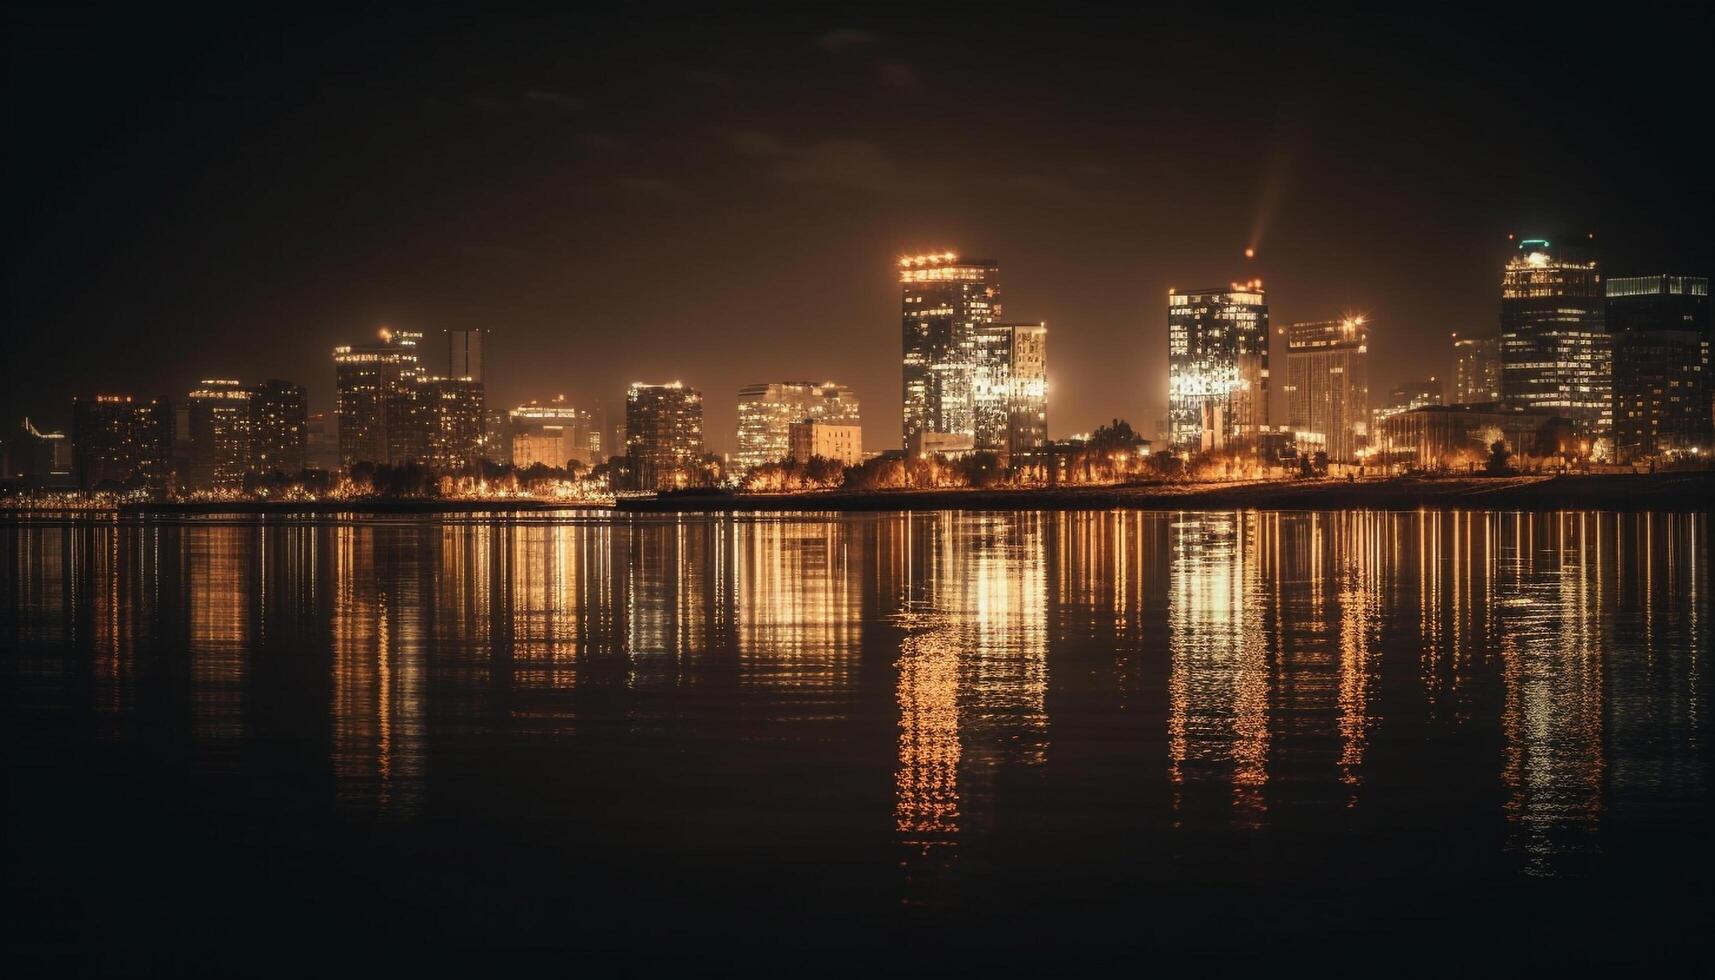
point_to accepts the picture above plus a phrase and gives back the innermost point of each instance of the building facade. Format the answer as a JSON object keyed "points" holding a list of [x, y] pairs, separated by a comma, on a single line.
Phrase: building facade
{"points": [[1217, 366], [1660, 331], [122, 440], [1555, 354], [1459, 437], [839, 441], [943, 300], [664, 436], [552, 434], [379, 404], [1010, 388], [1327, 385], [1476, 370], [235, 431], [766, 413], [454, 413]]}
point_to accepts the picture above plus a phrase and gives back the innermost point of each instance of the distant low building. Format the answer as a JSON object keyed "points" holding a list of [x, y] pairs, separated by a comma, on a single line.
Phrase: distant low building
{"points": [[1460, 436], [829, 440], [553, 434], [924, 444]]}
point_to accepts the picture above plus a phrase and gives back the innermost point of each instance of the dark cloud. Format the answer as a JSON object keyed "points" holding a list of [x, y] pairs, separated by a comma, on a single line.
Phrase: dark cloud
{"points": [[603, 142], [855, 164], [898, 75], [646, 185], [847, 37], [558, 100]]}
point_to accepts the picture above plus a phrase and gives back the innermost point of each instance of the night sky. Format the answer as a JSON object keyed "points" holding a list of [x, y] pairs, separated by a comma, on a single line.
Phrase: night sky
{"points": [[719, 194]]}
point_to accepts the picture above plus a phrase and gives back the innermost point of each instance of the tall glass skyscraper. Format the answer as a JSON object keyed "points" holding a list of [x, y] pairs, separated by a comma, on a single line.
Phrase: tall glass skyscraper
{"points": [[1009, 389], [379, 403], [1217, 366], [1659, 327], [1555, 354], [664, 435], [1476, 370], [943, 300], [1328, 384]]}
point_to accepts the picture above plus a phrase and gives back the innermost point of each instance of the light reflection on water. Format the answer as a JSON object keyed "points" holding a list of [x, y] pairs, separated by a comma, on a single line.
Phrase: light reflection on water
{"points": [[1265, 670]]}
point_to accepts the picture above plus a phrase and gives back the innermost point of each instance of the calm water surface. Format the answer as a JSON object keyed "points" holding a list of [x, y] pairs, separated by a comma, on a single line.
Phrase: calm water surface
{"points": [[913, 743]]}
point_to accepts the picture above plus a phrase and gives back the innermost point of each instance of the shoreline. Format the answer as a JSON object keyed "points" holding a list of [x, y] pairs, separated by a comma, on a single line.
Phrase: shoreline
{"points": [[1665, 492], [1662, 492]]}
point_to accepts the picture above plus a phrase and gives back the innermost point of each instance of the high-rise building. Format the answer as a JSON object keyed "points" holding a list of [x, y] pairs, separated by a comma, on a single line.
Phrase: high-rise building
{"points": [[279, 412], [121, 440], [1328, 385], [766, 411], [943, 299], [1555, 353], [552, 434], [455, 417], [1476, 370], [1009, 390], [235, 430], [379, 404], [1660, 330], [220, 438], [664, 436], [1217, 366], [465, 354], [839, 441]]}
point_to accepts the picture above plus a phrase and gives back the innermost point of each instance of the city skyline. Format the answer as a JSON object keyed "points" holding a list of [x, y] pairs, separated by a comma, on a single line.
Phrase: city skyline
{"points": [[548, 197]]}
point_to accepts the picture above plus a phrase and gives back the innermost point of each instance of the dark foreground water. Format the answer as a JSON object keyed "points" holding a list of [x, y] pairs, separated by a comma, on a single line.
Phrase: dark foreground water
{"points": [[890, 744]]}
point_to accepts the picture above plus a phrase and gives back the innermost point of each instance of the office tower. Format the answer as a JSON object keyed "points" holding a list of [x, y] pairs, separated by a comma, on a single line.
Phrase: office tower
{"points": [[455, 419], [943, 300], [219, 420], [1555, 353], [1009, 391], [1476, 370], [1328, 385], [1217, 366], [552, 434], [766, 411], [234, 430], [664, 436], [121, 440], [465, 354], [279, 413], [838, 441], [378, 403], [1660, 330]]}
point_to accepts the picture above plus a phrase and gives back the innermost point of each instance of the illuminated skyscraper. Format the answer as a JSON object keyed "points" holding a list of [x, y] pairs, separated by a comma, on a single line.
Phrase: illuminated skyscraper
{"points": [[241, 430], [120, 440], [1659, 327], [664, 436], [1217, 366], [1328, 385], [767, 411], [1555, 353], [220, 431], [455, 418], [379, 403], [943, 300], [1476, 370], [1009, 390]]}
